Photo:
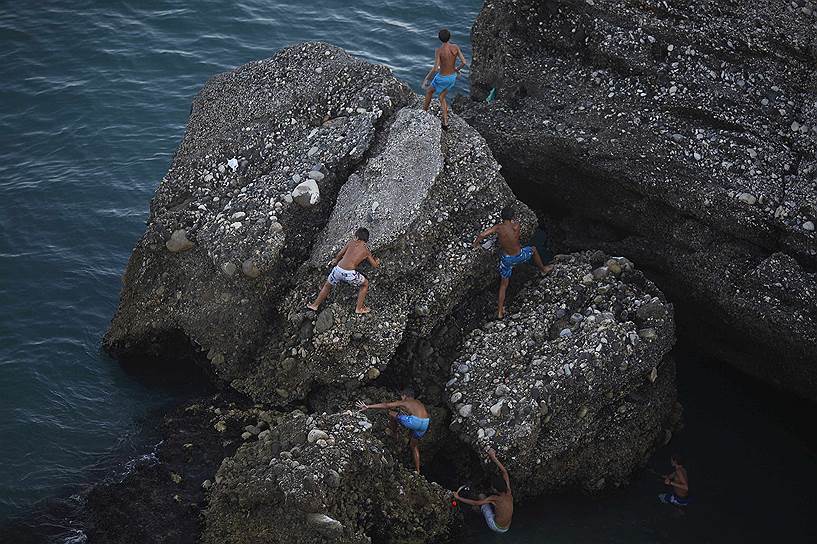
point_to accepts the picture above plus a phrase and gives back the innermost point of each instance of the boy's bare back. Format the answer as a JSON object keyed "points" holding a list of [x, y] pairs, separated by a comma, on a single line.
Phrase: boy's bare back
{"points": [[447, 55], [503, 508], [508, 234], [415, 407], [356, 252]]}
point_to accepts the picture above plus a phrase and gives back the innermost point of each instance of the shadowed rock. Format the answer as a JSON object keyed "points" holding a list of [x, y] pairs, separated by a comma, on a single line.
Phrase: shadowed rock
{"points": [[681, 134]]}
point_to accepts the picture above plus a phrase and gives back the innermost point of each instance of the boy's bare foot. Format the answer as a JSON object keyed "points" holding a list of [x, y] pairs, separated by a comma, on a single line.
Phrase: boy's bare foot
{"points": [[547, 269], [501, 313], [312, 307], [364, 310]]}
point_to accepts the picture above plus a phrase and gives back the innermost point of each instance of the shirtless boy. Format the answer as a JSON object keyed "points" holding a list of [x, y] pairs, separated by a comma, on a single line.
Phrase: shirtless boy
{"points": [[514, 253], [498, 508], [414, 419], [677, 479], [445, 64], [344, 267]]}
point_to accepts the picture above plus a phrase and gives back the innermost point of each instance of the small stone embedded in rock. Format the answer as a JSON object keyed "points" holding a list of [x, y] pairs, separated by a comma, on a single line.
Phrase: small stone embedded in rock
{"points": [[747, 198], [316, 175], [307, 193], [178, 241], [315, 435], [229, 269], [465, 410], [249, 269], [809, 226], [233, 164]]}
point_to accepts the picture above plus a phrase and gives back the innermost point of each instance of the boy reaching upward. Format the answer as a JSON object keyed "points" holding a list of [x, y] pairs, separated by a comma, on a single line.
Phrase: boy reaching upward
{"points": [[514, 253], [445, 64], [498, 508], [344, 269]]}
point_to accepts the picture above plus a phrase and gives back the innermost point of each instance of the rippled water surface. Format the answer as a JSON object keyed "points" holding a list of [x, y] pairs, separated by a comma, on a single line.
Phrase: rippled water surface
{"points": [[94, 97]]}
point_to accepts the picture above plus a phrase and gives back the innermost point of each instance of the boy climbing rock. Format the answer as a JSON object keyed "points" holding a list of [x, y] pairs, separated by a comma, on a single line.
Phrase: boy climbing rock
{"points": [[445, 64], [514, 253], [677, 479], [497, 509], [415, 419], [344, 269]]}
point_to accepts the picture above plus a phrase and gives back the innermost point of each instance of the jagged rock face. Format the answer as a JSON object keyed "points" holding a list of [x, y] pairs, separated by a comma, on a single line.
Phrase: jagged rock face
{"points": [[575, 387], [682, 134], [324, 479], [283, 159]]}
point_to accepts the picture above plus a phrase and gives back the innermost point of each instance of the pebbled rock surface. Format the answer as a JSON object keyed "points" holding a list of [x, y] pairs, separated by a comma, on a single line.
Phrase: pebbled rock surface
{"points": [[283, 159], [324, 479], [575, 387], [682, 134]]}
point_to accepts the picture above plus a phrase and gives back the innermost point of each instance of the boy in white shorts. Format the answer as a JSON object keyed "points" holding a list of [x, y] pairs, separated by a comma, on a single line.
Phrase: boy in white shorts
{"points": [[344, 269]]}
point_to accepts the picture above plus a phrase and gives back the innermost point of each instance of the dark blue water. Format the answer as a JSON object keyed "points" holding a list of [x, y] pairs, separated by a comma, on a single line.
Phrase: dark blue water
{"points": [[94, 97]]}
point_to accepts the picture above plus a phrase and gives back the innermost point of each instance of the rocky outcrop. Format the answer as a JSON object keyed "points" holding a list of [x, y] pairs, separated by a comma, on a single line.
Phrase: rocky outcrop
{"points": [[681, 134], [324, 479], [576, 386], [272, 178]]}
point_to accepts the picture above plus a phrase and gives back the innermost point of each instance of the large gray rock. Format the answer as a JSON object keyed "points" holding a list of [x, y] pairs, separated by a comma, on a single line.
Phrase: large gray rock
{"points": [[682, 136], [344, 488], [575, 388]]}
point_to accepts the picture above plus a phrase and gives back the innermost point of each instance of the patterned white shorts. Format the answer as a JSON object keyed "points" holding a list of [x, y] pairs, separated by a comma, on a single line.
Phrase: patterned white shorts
{"points": [[338, 275]]}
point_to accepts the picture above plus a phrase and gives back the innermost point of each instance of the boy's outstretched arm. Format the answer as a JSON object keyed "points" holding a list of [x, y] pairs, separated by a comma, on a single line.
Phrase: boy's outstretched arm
{"points": [[374, 261], [492, 456], [472, 502], [484, 234], [382, 405]]}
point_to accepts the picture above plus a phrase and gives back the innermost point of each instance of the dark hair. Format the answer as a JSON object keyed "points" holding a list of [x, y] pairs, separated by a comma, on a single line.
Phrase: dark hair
{"points": [[498, 483], [508, 213], [362, 234], [407, 391], [444, 35], [677, 458]]}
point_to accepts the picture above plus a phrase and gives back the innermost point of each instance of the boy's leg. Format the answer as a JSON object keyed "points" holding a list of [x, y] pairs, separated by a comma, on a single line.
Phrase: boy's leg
{"points": [[503, 286], [429, 96], [325, 290], [361, 298], [537, 260], [444, 106], [415, 453]]}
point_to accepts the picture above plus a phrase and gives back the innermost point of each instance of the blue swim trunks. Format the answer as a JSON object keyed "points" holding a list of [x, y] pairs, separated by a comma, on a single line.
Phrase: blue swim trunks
{"points": [[417, 425], [507, 262], [443, 83]]}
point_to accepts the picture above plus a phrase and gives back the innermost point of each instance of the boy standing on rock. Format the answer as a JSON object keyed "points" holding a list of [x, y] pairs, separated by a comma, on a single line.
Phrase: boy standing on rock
{"points": [[514, 253], [416, 419], [344, 269], [498, 508], [445, 60]]}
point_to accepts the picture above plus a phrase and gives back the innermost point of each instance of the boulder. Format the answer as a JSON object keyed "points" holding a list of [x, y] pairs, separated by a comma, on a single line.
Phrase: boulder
{"points": [[681, 137], [384, 164], [584, 409], [346, 488]]}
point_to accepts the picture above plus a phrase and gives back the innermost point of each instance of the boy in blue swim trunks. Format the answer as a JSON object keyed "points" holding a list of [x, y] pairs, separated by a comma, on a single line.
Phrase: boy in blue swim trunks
{"points": [[677, 479], [513, 253], [415, 419], [445, 64]]}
